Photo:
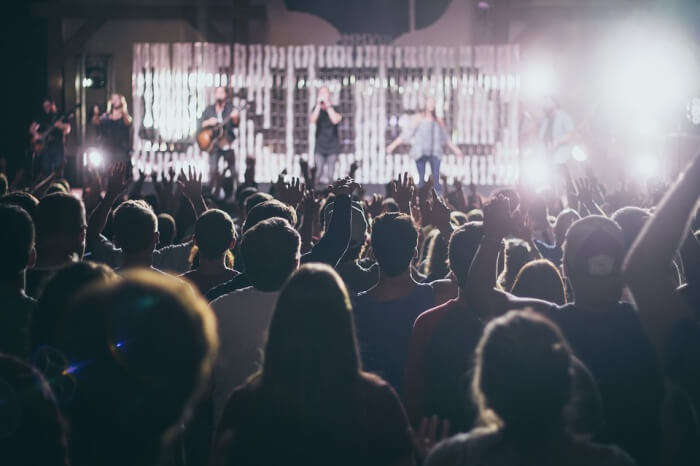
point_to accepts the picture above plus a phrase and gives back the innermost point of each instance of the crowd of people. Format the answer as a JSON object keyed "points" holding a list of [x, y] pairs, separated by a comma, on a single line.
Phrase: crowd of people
{"points": [[291, 325]]}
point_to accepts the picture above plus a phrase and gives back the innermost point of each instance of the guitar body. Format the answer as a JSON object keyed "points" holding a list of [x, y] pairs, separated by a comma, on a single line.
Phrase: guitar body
{"points": [[37, 145], [208, 138]]}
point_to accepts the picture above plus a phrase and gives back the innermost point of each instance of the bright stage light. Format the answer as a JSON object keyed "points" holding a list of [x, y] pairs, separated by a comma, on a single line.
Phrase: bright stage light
{"points": [[538, 80], [578, 154], [93, 157], [647, 166], [535, 172]]}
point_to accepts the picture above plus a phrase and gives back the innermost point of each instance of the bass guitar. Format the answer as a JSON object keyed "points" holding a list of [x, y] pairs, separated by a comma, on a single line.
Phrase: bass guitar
{"points": [[208, 138]]}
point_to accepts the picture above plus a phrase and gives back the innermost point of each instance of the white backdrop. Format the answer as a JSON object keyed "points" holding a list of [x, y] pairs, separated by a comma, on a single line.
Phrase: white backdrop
{"points": [[376, 88]]}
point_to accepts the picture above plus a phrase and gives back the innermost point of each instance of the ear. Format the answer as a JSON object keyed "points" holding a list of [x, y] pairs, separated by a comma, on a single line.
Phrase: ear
{"points": [[233, 243], [156, 239], [31, 260]]}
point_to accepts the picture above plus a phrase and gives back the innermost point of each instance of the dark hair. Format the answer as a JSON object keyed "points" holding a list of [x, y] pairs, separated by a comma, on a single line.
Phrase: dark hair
{"points": [[522, 378], [540, 279], [311, 352], [394, 239], [16, 240], [134, 225], [464, 243], [270, 251], [254, 199], [242, 196], [561, 225], [390, 205], [436, 258], [631, 221], [23, 199], [270, 209], [141, 350], [4, 185], [60, 225], [32, 431], [213, 233], [167, 229], [59, 293], [516, 254]]}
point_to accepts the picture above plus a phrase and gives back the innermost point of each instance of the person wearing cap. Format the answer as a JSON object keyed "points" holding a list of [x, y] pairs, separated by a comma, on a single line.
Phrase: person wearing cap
{"points": [[608, 336]]}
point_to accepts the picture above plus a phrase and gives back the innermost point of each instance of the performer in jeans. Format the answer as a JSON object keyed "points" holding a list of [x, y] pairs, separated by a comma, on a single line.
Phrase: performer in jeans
{"points": [[428, 136], [327, 141]]}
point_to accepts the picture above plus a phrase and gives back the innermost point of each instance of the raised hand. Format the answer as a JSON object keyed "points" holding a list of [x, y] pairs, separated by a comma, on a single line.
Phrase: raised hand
{"points": [[309, 203], [118, 180], [343, 186], [426, 437], [374, 206], [439, 215], [403, 192], [289, 193], [497, 218], [191, 184]]}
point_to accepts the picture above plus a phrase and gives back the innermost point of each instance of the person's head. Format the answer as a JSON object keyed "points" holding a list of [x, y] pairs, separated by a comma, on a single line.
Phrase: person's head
{"points": [[324, 94], [270, 251], [358, 229], [59, 293], [214, 234], [22, 199], [48, 105], [167, 229], [16, 242], [254, 199], [311, 339], [458, 218], [464, 242], [140, 350], [564, 220], [56, 188], [60, 226], [32, 430], [540, 279], [593, 255], [436, 257], [116, 102], [394, 240], [242, 196], [631, 221], [3, 184], [516, 254], [135, 227], [390, 205], [475, 215], [269, 209], [523, 375], [220, 95]]}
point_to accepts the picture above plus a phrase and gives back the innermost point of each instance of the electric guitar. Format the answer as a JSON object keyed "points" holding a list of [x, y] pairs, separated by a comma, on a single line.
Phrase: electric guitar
{"points": [[38, 142], [209, 137]]}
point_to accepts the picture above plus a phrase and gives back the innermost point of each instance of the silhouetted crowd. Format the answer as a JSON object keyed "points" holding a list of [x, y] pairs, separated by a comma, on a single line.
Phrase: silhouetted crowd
{"points": [[154, 320]]}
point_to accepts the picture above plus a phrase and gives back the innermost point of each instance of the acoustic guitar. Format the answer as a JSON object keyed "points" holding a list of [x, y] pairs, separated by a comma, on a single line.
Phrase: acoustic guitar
{"points": [[208, 138]]}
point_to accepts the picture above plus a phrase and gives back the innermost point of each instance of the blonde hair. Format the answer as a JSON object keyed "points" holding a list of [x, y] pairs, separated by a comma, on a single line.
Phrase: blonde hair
{"points": [[125, 108]]}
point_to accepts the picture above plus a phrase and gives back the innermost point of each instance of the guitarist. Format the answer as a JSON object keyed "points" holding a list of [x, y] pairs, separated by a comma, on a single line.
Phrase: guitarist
{"points": [[556, 132], [50, 157], [214, 114]]}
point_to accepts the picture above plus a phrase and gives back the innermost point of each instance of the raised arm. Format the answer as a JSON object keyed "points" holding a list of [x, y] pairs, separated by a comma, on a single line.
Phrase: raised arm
{"points": [[116, 184], [332, 246], [191, 185], [647, 264]]}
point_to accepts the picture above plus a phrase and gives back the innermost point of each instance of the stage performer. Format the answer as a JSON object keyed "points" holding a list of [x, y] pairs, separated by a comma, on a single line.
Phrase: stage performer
{"points": [[221, 112], [115, 131], [327, 141], [48, 131], [556, 132], [428, 136]]}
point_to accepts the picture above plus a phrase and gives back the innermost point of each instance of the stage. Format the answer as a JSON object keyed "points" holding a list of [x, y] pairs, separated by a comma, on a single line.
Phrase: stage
{"points": [[376, 88]]}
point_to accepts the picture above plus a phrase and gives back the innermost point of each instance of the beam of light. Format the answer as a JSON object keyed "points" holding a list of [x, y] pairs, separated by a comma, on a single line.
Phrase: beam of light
{"points": [[579, 154], [535, 171], [94, 158], [646, 166], [73, 368], [539, 80]]}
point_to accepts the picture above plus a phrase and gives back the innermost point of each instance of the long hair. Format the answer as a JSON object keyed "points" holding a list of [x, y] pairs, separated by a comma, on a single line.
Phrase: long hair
{"points": [[523, 376], [125, 108], [311, 357], [540, 279]]}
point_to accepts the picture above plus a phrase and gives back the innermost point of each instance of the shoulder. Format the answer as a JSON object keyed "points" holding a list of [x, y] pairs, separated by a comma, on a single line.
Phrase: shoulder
{"points": [[529, 303], [463, 448], [431, 317], [604, 455]]}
